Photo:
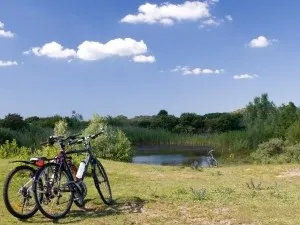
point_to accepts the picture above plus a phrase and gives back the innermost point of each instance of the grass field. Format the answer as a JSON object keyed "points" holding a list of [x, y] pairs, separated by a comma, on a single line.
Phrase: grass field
{"points": [[247, 194]]}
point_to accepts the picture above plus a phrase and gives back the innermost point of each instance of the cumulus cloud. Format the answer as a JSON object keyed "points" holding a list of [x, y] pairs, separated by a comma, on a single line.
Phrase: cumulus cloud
{"points": [[5, 33], [93, 50], [185, 70], [229, 17], [211, 22], [52, 50], [7, 63], [261, 42], [245, 76], [168, 13], [144, 59]]}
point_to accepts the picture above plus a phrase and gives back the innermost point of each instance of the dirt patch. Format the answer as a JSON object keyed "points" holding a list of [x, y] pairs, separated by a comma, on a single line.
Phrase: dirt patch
{"points": [[290, 173], [221, 210]]}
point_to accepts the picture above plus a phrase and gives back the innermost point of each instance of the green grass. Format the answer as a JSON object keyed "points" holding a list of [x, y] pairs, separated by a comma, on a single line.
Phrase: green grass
{"points": [[145, 194]]}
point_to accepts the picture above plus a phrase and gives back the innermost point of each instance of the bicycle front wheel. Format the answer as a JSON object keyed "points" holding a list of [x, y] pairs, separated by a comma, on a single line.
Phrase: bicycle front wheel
{"points": [[54, 197], [17, 192], [102, 183]]}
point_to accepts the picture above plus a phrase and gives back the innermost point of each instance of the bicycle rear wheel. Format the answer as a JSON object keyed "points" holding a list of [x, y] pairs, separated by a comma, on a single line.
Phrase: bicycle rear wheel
{"points": [[102, 183], [54, 198], [17, 192]]}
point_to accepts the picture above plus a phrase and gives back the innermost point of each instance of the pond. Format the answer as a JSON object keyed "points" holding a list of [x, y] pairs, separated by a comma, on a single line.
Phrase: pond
{"points": [[172, 155]]}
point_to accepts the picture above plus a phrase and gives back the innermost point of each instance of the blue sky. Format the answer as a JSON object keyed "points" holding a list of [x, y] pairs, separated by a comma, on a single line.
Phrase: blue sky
{"points": [[179, 56]]}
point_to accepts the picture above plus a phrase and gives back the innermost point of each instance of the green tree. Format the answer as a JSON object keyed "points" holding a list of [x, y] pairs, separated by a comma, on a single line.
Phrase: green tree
{"points": [[32, 119], [163, 113], [189, 123], [164, 121], [118, 121], [286, 116], [259, 110], [14, 121]]}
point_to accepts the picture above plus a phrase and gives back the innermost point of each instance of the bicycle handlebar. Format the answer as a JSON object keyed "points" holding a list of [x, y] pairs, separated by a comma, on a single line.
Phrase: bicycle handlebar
{"points": [[52, 139], [82, 139]]}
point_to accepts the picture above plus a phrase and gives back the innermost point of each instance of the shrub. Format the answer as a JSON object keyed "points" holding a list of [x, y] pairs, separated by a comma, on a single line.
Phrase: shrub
{"points": [[292, 153], [61, 128], [293, 133], [269, 151], [113, 144], [6, 134], [11, 149]]}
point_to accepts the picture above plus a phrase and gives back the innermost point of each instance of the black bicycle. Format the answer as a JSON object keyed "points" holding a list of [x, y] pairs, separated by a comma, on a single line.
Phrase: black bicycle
{"points": [[59, 189], [17, 191]]}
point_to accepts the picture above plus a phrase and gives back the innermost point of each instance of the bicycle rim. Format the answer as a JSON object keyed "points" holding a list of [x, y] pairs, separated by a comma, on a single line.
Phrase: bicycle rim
{"points": [[18, 194], [54, 197], [102, 183]]}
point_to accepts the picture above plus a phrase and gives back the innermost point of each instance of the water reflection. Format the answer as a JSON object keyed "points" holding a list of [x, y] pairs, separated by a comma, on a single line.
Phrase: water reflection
{"points": [[171, 159]]}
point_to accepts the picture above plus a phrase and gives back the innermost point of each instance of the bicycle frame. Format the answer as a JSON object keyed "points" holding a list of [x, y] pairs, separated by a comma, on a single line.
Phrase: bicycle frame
{"points": [[88, 160]]}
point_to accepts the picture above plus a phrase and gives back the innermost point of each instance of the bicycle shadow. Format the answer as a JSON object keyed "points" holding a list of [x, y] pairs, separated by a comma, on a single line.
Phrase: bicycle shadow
{"points": [[119, 206], [94, 210]]}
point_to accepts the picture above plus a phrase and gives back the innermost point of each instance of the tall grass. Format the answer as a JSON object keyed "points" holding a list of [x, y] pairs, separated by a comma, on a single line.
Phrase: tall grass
{"points": [[142, 136], [229, 142]]}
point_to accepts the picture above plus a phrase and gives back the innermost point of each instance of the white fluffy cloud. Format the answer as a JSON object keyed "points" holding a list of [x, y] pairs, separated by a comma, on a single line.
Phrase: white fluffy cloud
{"points": [[7, 63], [185, 70], [52, 50], [229, 17], [92, 50], [144, 59], [211, 22], [245, 76], [5, 33], [261, 42], [168, 13]]}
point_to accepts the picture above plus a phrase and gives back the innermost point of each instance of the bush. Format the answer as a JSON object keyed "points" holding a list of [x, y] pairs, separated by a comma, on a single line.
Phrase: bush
{"points": [[292, 153], [6, 134], [113, 144], [293, 133], [269, 151], [61, 128], [11, 149]]}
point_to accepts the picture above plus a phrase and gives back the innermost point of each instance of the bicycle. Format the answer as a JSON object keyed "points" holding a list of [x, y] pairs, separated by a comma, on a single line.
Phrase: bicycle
{"points": [[57, 179], [211, 159], [18, 197]]}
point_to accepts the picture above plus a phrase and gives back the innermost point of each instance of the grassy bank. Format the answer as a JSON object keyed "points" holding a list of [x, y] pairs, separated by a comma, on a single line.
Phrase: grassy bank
{"points": [[174, 195]]}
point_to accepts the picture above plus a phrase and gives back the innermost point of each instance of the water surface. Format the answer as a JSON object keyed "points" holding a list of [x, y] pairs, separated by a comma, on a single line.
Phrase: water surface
{"points": [[176, 155]]}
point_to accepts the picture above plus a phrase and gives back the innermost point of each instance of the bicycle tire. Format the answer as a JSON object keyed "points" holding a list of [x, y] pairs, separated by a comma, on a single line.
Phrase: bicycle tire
{"points": [[7, 202], [106, 197], [80, 204], [40, 204]]}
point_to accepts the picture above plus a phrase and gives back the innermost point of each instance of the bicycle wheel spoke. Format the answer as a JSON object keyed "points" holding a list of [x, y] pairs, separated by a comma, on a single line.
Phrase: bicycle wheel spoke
{"points": [[102, 183], [17, 192], [51, 200]]}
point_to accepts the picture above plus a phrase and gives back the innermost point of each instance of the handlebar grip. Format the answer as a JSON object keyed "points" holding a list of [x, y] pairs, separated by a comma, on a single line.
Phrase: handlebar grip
{"points": [[96, 135], [73, 136], [78, 141]]}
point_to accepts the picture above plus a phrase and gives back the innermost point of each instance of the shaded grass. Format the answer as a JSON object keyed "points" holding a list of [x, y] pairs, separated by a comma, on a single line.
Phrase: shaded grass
{"points": [[146, 194]]}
